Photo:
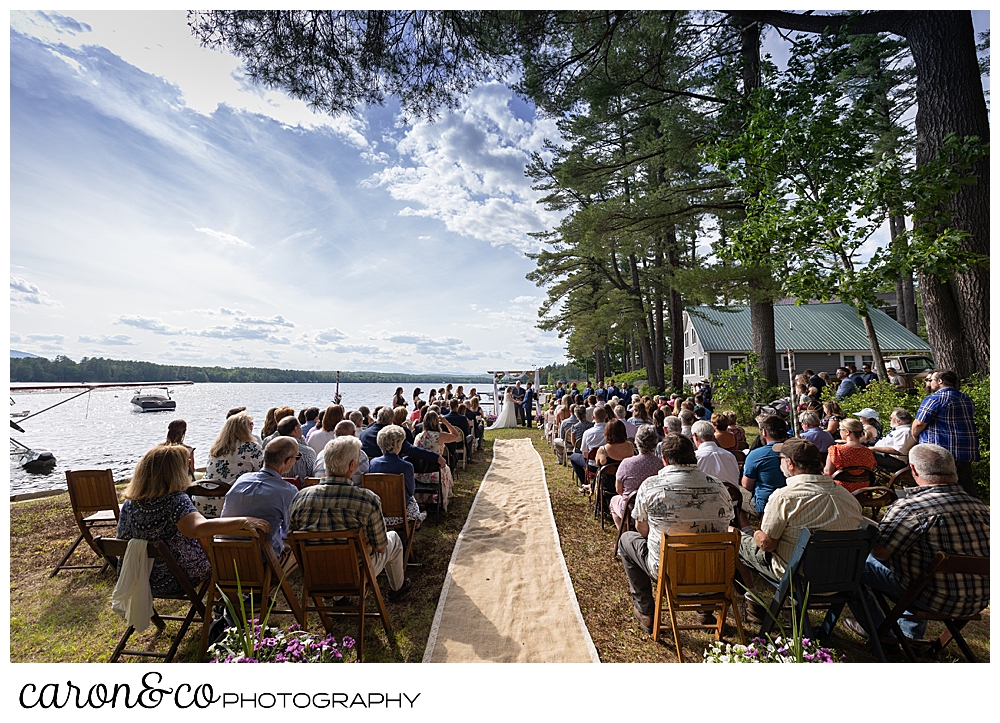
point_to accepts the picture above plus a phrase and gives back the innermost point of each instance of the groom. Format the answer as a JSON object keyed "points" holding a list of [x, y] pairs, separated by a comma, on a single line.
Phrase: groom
{"points": [[526, 405]]}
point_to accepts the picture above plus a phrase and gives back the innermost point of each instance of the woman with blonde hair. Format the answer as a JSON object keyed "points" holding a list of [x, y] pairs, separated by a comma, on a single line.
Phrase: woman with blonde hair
{"points": [[234, 451], [853, 453], [433, 439], [319, 436], [157, 508]]}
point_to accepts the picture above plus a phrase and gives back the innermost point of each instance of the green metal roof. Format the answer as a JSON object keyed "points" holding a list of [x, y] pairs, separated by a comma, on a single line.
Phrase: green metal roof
{"points": [[815, 327]]}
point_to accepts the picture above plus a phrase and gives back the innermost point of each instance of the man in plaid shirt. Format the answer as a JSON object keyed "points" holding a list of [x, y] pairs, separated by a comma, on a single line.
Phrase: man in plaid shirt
{"points": [[335, 504], [946, 418], [938, 515]]}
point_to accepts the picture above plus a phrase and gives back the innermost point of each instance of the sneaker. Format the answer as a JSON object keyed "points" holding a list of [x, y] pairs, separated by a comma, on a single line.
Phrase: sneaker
{"points": [[707, 619], [645, 621], [854, 626], [397, 595]]}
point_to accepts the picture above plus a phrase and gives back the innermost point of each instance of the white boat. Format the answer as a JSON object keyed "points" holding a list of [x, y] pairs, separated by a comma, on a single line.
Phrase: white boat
{"points": [[154, 402]]}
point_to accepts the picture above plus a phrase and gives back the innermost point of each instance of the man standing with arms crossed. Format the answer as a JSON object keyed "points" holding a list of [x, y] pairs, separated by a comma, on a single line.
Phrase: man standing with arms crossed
{"points": [[946, 417]]}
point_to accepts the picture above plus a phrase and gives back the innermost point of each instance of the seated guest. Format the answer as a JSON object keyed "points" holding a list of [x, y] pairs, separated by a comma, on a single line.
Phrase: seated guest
{"points": [[390, 440], [459, 421], [157, 508], [417, 406], [323, 433], [366, 418], [175, 435], [936, 516], [234, 451], [809, 500], [593, 437], [700, 410], [712, 459], [633, 471], [305, 462], [891, 450], [872, 426], [279, 414], [762, 473], [622, 414], [832, 414], [815, 433], [345, 428], [723, 437], [269, 425], [478, 419], [580, 426], [265, 494], [335, 504], [310, 422], [616, 447], [399, 419], [853, 453], [357, 419], [369, 442], [679, 498], [659, 418], [687, 419], [433, 439], [671, 425], [736, 430]]}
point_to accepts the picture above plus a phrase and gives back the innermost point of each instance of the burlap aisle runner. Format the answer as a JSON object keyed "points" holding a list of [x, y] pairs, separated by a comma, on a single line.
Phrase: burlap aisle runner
{"points": [[507, 596]]}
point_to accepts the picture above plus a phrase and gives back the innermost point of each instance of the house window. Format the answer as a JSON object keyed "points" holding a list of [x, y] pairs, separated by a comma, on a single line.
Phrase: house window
{"points": [[701, 366], [694, 339], [685, 340], [734, 360], [785, 362], [689, 366], [846, 359]]}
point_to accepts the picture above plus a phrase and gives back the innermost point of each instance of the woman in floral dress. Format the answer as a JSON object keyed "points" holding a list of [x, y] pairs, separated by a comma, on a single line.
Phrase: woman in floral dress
{"points": [[233, 453], [433, 439]]}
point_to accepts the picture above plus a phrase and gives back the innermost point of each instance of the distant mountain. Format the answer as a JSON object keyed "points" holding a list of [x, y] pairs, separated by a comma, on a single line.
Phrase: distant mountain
{"points": [[15, 354]]}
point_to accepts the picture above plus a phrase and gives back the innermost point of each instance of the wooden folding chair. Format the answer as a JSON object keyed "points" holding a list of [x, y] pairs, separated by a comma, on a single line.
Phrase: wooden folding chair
{"points": [[253, 561], [113, 547], [338, 564], [295, 482], [941, 564], [601, 496], [855, 478], [903, 478], [875, 498], [310, 481], [94, 501], [628, 524], [590, 474], [391, 489], [430, 488], [741, 518], [696, 574]]}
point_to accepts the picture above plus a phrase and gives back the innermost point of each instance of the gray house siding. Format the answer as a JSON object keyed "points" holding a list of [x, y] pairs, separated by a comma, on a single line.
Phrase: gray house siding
{"points": [[818, 361]]}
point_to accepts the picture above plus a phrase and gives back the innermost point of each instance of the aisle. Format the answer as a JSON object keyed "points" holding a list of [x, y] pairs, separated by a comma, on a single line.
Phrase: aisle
{"points": [[507, 596]]}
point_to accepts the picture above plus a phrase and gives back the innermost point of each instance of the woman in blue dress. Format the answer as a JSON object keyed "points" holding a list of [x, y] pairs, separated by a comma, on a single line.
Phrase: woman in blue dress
{"points": [[157, 507]]}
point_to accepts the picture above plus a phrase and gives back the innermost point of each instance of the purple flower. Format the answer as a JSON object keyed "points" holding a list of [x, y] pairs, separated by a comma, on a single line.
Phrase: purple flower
{"points": [[348, 642]]}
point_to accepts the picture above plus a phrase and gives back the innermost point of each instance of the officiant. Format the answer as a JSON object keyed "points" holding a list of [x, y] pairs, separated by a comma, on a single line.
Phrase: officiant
{"points": [[527, 406]]}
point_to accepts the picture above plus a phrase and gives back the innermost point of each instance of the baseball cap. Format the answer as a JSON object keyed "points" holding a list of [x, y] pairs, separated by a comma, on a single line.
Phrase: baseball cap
{"points": [[801, 451], [867, 413]]}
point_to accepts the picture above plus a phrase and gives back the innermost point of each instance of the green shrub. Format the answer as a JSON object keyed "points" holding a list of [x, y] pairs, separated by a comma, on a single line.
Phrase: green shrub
{"points": [[739, 387], [978, 389]]}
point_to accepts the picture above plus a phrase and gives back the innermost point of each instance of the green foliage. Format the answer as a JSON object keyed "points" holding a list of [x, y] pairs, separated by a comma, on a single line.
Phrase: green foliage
{"points": [[880, 396], [978, 389], [64, 369], [739, 387]]}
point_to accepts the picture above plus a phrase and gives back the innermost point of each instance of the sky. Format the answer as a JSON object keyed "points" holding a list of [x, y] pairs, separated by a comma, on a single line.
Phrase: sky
{"points": [[164, 209]]}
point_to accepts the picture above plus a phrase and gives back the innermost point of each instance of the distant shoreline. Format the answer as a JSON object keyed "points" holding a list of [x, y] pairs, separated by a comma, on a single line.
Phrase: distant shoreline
{"points": [[97, 369]]}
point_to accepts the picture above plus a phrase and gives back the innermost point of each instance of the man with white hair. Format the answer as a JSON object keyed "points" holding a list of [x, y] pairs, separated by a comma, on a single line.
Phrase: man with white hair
{"points": [[630, 429], [713, 460], [335, 505], [936, 516]]}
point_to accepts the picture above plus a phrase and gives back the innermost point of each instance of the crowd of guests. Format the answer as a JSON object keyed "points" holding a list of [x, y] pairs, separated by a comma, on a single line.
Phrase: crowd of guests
{"points": [[683, 468], [303, 471]]}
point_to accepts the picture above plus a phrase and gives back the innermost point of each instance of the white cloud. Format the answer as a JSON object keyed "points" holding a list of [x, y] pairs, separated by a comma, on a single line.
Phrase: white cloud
{"points": [[116, 340], [226, 238], [23, 293], [524, 299], [148, 323], [467, 170], [327, 336]]}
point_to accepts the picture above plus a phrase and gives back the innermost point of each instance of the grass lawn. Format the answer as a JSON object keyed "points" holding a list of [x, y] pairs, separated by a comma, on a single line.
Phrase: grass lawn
{"points": [[69, 618]]}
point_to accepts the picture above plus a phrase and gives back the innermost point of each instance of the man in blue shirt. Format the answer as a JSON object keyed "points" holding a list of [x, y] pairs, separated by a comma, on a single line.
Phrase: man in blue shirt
{"points": [[265, 494], [847, 386], [762, 473], [946, 417]]}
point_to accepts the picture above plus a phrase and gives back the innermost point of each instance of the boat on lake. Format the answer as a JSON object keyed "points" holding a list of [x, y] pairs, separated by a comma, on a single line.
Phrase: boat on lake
{"points": [[152, 402]]}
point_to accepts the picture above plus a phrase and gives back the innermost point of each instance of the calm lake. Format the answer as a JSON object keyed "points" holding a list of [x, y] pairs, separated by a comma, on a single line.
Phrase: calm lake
{"points": [[101, 429]]}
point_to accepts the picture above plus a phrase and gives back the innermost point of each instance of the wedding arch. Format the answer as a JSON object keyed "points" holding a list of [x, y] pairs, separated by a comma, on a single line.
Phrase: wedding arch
{"points": [[499, 376]]}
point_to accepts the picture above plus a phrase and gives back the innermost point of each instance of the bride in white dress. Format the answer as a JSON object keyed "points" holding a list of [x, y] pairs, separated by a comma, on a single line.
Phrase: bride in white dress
{"points": [[507, 417]]}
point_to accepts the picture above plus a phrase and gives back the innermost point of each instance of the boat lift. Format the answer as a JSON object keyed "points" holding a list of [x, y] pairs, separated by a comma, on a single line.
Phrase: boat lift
{"points": [[42, 461]]}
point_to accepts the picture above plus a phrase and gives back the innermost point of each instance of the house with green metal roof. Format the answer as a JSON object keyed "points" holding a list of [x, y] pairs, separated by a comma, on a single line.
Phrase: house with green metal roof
{"points": [[821, 337]]}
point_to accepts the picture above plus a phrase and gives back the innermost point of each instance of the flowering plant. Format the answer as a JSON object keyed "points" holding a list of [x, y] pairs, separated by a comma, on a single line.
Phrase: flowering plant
{"points": [[770, 650], [272, 645], [489, 419], [252, 640], [337, 397]]}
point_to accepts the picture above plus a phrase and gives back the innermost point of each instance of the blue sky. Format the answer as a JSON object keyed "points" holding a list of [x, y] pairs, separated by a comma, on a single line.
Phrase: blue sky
{"points": [[165, 209]]}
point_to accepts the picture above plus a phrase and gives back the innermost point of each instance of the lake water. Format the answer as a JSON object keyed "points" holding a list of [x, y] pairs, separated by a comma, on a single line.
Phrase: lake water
{"points": [[101, 429]]}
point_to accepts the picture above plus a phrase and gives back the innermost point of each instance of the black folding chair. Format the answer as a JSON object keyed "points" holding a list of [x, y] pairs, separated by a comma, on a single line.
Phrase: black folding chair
{"points": [[830, 564]]}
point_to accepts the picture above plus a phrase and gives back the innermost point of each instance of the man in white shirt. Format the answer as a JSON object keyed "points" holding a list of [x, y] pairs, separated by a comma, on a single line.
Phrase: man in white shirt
{"points": [[593, 437], [713, 460], [892, 450], [630, 429]]}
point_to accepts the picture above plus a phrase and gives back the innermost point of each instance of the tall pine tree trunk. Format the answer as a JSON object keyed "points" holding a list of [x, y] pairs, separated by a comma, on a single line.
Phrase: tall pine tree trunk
{"points": [[676, 311]]}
